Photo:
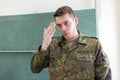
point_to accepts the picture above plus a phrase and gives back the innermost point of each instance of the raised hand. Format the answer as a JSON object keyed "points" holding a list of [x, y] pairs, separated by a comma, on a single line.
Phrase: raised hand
{"points": [[47, 36]]}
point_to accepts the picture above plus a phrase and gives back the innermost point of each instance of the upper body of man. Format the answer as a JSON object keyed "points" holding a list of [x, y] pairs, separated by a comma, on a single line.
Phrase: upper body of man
{"points": [[72, 56]]}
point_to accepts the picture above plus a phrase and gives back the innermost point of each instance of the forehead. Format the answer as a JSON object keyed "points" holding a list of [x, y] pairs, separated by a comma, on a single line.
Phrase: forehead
{"points": [[61, 19]]}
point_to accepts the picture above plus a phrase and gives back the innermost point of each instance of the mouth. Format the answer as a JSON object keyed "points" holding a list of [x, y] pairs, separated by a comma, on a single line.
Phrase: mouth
{"points": [[65, 33]]}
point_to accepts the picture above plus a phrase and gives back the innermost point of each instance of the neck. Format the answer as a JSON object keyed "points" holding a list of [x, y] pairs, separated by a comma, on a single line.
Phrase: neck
{"points": [[75, 36]]}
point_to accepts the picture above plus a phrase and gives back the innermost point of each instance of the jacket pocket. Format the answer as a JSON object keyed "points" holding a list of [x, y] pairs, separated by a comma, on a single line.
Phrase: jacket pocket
{"points": [[85, 66]]}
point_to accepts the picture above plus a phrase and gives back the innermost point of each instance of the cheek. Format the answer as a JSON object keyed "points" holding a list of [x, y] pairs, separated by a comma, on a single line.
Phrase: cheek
{"points": [[72, 28]]}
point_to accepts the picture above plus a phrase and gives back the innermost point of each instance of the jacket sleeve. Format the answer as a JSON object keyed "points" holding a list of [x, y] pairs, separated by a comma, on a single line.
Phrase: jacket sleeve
{"points": [[102, 66], [39, 60]]}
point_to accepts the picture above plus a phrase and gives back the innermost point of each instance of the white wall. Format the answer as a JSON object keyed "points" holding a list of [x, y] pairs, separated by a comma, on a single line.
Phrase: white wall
{"points": [[109, 32], [118, 30], [14, 7]]}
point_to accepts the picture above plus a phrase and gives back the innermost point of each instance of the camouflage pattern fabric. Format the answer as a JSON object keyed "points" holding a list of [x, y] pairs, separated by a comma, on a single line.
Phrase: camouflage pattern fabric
{"points": [[84, 60]]}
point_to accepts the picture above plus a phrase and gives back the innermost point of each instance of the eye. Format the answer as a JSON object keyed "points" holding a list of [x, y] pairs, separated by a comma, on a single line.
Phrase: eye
{"points": [[66, 23], [59, 25]]}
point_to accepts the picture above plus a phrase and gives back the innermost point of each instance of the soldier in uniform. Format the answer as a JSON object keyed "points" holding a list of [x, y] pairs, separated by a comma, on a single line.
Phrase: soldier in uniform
{"points": [[72, 56]]}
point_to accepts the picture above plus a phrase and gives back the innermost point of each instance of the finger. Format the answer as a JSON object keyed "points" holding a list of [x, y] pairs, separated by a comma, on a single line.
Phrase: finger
{"points": [[51, 34], [44, 30], [51, 31], [51, 27]]}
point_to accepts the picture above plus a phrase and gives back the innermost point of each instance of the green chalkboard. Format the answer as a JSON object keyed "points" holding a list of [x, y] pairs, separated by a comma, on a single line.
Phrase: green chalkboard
{"points": [[16, 66], [25, 32]]}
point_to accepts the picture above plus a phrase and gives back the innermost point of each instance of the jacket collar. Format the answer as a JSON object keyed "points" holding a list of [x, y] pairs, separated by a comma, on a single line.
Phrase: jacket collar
{"points": [[81, 39]]}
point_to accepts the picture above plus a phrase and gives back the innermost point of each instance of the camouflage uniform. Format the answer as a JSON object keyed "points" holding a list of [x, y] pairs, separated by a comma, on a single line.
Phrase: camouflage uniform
{"points": [[85, 60]]}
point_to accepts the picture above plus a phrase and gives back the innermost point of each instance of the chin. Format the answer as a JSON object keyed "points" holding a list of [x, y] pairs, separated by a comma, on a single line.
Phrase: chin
{"points": [[67, 37]]}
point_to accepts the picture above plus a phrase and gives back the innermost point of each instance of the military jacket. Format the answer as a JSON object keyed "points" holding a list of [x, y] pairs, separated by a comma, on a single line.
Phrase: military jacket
{"points": [[84, 60]]}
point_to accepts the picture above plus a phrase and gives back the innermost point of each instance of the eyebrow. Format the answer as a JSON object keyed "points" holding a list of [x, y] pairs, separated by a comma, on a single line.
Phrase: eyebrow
{"points": [[63, 22]]}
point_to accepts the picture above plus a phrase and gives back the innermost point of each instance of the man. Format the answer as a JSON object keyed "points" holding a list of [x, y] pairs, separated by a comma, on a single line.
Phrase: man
{"points": [[72, 56]]}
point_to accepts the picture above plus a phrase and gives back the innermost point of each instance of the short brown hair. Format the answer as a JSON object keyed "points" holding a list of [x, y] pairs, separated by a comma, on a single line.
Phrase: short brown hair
{"points": [[64, 10]]}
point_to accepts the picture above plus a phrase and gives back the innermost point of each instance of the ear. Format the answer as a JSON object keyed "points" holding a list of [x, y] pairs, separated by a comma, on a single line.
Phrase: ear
{"points": [[76, 20]]}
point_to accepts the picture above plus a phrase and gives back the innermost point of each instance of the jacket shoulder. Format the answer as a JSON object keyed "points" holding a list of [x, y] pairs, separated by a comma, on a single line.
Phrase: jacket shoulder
{"points": [[90, 40]]}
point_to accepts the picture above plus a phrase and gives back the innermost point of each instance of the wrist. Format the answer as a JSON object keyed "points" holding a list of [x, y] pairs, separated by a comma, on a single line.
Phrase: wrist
{"points": [[43, 47]]}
